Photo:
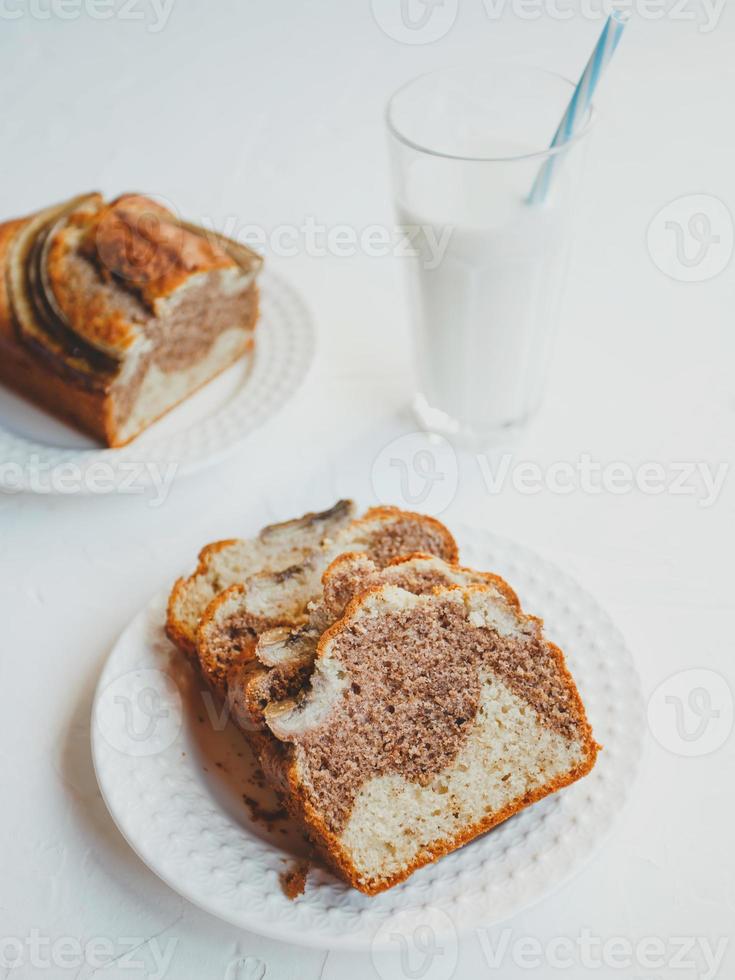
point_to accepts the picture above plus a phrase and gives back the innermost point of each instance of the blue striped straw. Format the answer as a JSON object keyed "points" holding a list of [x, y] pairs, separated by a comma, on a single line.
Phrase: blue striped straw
{"points": [[581, 99]]}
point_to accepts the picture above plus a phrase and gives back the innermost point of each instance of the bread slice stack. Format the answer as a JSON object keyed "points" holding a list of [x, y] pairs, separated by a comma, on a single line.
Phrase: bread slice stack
{"points": [[400, 703]]}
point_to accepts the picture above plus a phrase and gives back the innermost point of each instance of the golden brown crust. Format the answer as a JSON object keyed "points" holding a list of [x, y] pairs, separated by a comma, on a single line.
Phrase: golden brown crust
{"points": [[86, 410], [91, 316], [8, 231], [176, 629], [490, 577], [452, 551], [140, 242], [34, 380], [329, 844]]}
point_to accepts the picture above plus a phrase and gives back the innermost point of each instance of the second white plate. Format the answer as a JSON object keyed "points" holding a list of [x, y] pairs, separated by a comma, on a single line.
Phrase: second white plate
{"points": [[183, 789]]}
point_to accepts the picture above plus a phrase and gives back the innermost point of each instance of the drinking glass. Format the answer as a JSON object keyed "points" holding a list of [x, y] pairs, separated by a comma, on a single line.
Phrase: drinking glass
{"points": [[486, 267]]}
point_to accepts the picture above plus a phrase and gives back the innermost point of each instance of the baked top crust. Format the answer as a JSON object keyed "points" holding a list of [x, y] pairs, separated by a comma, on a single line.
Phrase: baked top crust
{"points": [[82, 293], [111, 267], [140, 242], [93, 279]]}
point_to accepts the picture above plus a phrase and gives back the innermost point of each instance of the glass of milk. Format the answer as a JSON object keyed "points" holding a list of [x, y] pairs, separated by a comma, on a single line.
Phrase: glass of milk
{"points": [[485, 267]]}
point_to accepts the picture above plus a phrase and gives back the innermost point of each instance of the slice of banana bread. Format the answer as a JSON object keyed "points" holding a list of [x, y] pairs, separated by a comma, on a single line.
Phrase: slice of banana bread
{"points": [[428, 720], [282, 659], [226, 563], [279, 596]]}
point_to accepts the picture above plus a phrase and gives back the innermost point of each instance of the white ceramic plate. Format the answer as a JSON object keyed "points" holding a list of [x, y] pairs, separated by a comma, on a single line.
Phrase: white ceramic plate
{"points": [[175, 776], [39, 453]]}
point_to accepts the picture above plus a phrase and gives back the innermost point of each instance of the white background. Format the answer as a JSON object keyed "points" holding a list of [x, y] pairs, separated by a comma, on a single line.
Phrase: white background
{"points": [[266, 113]]}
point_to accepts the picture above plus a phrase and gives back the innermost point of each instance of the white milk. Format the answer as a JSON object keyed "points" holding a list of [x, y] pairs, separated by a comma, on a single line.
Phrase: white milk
{"points": [[484, 316]]}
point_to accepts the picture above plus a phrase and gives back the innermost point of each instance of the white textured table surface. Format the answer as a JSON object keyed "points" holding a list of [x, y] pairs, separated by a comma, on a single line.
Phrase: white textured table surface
{"points": [[270, 115]]}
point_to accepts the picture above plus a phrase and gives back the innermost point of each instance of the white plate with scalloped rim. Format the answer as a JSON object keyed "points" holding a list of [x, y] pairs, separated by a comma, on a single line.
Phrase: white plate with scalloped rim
{"points": [[40, 454], [175, 775]]}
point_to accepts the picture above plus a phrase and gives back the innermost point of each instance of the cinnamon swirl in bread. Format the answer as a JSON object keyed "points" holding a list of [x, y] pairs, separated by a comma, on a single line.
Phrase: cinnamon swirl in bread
{"points": [[427, 720]]}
